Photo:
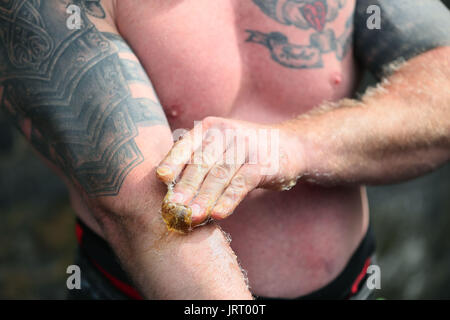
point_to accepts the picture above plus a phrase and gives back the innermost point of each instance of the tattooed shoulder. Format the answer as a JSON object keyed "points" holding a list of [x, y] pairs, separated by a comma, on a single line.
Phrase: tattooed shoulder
{"points": [[304, 15], [68, 91]]}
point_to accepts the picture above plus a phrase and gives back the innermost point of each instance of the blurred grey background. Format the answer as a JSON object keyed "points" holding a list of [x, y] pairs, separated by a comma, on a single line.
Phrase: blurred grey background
{"points": [[37, 239]]}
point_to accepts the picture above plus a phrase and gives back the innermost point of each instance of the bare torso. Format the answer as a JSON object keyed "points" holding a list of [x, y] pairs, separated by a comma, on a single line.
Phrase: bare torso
{"points": [[196, 54]]}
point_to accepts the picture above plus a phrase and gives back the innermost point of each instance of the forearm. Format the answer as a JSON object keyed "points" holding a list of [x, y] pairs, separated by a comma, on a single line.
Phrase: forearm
{"points": [[168, 265], [200, 265], [395, 132], [162, 264]]}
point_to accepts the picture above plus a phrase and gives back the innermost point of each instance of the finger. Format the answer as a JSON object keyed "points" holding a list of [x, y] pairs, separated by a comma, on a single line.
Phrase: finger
{"points": [[213, 186], [245, 180], [194, 174], [181, 153]]}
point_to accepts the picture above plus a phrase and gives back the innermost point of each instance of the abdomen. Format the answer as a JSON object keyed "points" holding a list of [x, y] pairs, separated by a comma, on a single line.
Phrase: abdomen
{"points": [[294, 242]]}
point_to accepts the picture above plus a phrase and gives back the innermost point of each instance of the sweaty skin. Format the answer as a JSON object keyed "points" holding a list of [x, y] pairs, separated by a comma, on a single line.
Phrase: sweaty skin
{"points": [[85, 103], [201, 64], [277, 60]]}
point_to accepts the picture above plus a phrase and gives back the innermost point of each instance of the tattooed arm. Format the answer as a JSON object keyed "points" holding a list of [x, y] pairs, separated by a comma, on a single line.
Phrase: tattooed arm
{"points": [[82, 99]]}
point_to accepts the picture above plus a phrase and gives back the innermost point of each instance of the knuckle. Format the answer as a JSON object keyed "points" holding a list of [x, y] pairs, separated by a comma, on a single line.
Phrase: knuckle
{"points": [[238, 182], [194, 171], [234, 193], [180, 152], [245, 180], [186, 185], [220, 171], [208, 159], [232, 196], [252, 176], [203, 199]]}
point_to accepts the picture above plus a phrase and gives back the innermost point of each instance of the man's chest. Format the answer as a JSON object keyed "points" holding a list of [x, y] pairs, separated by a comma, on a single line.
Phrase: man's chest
{"points": [[249, 59]]}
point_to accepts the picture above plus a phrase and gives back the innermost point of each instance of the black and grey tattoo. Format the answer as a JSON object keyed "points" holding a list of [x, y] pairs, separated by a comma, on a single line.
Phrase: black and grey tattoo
{"points": [[305, 15], [68, 91], [91, 7]]}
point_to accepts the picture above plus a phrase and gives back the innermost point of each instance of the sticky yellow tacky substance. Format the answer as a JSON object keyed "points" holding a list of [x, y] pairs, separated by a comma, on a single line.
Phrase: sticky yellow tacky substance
{"points": [[177, 217], [289, 185]]}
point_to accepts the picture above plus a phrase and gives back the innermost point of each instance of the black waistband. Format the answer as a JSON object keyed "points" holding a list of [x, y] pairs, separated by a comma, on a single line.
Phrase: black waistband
{"points": [[100, 253]]}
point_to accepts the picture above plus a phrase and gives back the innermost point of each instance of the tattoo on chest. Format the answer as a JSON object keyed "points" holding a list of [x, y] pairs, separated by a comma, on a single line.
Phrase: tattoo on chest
{"points": [[68, 91], [305, 15]]}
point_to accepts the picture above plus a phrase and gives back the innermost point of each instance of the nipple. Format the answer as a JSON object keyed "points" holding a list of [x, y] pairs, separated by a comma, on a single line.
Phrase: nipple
{"points": [[174, 111], [336, 78]]}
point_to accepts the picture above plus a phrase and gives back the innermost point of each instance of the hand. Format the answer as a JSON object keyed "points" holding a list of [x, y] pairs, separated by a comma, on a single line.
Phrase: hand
{"points": [[216, 164]]}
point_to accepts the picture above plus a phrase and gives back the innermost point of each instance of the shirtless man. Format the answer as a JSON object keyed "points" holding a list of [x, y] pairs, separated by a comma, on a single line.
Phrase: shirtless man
{"points": [[90, 99]]}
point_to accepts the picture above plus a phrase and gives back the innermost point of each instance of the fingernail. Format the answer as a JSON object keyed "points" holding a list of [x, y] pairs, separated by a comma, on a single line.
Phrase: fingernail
{"points": [[177, 198], [195, 210], [164, 171], [220, 210]]}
